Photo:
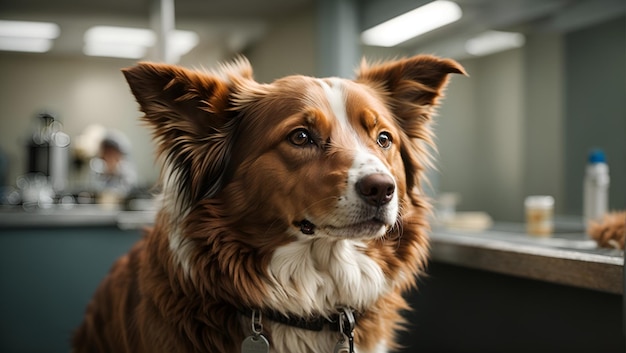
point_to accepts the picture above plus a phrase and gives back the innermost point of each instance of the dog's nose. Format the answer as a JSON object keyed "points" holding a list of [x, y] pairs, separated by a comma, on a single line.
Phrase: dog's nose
{"points": [[376, 189]]}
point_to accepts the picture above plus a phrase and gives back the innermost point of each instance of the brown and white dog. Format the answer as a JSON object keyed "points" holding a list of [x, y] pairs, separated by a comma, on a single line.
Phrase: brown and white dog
{"points": [[287, 209]]}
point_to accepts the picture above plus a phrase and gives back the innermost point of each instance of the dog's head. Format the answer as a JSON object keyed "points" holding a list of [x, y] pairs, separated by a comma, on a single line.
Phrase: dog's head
{"points": [[255, 167], [319, 157]]}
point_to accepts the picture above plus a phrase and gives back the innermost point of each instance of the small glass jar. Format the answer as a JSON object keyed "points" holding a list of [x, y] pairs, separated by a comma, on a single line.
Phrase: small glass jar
{"points": [[539, 215]]}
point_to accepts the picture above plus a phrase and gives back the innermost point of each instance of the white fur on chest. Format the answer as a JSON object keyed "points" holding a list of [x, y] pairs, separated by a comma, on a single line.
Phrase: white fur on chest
{"points": [[315, 276]]}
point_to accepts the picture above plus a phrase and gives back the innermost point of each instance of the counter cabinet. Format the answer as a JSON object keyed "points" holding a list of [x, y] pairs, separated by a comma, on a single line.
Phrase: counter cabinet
{"points": [[48, 276]]}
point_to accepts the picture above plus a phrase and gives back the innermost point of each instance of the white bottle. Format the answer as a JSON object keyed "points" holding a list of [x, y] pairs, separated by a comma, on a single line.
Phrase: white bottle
{"points": [[596, 187]]}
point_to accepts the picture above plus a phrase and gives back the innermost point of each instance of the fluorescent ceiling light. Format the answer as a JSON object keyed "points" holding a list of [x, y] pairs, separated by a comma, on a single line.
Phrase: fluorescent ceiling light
{"points": [[31, 45], [494, 41], [133, 43], [412, 24], [27, 29], [27, 36], [118, 35], [129, 51]]}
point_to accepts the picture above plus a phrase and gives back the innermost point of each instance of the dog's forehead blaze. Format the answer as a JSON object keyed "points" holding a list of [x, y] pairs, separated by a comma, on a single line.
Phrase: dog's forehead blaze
{"points": [[366, 109], [368, 116], [352, 109]]}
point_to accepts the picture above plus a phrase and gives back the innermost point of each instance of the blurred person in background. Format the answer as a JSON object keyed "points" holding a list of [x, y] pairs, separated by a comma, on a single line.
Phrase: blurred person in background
{"points": [[112, 173]]}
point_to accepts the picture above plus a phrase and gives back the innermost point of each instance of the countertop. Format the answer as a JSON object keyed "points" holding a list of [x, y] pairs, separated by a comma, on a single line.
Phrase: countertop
{"points": [[568, 257], [86, 215]]}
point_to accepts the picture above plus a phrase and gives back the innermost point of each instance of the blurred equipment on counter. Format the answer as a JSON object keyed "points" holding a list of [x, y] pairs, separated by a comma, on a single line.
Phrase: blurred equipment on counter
{"points": [[47, 151], [539, 215], [610, 231], [36, 191], [596, 187]]}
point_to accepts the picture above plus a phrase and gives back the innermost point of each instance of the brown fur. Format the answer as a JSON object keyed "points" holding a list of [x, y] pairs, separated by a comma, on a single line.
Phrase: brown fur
{"points": [[222, 140]]}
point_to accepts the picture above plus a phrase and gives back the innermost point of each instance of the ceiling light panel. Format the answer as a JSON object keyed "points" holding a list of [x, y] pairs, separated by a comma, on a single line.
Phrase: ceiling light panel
{"points": [[128, 51], [133, 43], [27, 36], [412, 24], [31, 45], [111, 34], [491, 42], [29, 29]]}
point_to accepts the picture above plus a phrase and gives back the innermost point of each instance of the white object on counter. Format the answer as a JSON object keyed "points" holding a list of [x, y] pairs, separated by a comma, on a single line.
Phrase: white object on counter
{"points": [[469, 221], [596, 187]]}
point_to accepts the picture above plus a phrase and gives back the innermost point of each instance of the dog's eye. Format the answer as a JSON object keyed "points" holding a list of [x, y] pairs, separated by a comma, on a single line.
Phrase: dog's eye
{"points": [[301, 138], [384, 140]]}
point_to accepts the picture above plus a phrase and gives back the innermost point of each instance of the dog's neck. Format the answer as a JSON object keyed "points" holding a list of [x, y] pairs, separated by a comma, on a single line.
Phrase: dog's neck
{"points": [[343, 320], [339, 325]]}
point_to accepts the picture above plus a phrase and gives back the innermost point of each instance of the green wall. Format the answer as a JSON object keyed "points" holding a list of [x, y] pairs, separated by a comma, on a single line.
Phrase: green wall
{"points": [[595, 107]]}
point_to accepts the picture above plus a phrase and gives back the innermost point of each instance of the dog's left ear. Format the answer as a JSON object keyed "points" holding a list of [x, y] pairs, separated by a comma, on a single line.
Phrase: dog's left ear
{"points": [[412, 88]]}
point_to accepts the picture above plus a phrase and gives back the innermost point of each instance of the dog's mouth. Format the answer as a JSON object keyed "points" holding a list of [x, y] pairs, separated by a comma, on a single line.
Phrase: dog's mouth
{"points": [[370, 228]]}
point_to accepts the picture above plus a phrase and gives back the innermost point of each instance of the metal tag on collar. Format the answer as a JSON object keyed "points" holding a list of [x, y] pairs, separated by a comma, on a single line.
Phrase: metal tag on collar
{"points": [[256, 343], [346, 330], [343, 344]]}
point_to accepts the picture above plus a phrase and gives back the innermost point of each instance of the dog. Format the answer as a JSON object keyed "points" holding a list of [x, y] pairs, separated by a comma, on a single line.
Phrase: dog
{"points": [[291, 217]]}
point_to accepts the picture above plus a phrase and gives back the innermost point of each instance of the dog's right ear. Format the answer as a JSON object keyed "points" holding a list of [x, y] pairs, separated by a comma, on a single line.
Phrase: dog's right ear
{"points": [[192, 123]]}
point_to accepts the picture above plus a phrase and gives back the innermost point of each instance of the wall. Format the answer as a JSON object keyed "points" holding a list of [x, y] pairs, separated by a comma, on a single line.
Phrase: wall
{"points": [[544, 119], [288, 49], [481, 136], [595, 69], [456, 137]]}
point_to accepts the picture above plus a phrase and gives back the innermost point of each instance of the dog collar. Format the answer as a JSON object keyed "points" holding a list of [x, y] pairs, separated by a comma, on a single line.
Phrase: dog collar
{"points": [[346, 317], [343, 323]]}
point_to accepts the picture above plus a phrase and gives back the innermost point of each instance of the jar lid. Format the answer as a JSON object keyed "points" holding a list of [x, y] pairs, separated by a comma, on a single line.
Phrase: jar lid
{"points": [[539, 201]]}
